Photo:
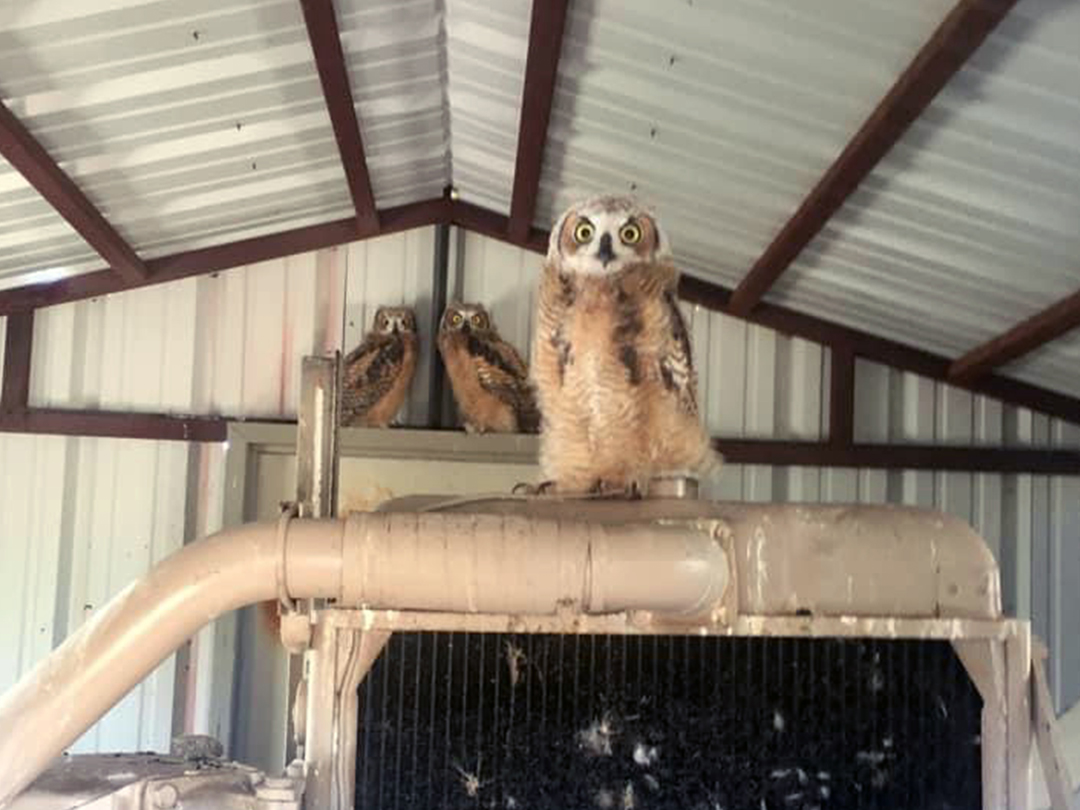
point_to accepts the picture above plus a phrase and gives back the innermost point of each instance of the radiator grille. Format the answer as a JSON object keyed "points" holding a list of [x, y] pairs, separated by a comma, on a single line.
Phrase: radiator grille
{"points": [[529, 722]]}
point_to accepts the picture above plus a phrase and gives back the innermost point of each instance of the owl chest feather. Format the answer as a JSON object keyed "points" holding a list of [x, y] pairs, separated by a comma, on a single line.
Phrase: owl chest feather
{"points": [[610, 359]]}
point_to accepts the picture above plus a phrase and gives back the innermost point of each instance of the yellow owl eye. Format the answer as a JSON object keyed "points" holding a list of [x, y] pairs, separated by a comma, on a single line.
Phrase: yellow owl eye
{"points": [[584, 232], [456, 319], [630, 233], [479, 321]]}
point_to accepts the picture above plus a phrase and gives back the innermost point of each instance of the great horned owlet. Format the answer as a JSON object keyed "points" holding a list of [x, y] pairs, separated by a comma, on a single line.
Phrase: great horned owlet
{"points": [[611, 358], [489, 378], [379, 371]]}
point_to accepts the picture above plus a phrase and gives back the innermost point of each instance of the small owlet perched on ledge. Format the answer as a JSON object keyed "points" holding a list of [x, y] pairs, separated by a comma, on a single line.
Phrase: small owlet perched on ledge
{"points": [[489, 378], [611, 358], [377, 373]]}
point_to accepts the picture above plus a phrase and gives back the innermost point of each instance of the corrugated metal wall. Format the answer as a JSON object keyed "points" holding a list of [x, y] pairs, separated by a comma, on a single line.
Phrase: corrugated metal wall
{"points": [[232, 343], [121, 508]]}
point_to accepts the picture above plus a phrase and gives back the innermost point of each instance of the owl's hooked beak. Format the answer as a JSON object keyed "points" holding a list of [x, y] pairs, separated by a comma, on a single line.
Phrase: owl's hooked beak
{"points": [[605, 253]]}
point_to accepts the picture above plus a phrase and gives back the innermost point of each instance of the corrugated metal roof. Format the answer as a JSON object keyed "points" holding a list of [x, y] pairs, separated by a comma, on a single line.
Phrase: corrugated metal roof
{"points": [[185, 123], [486, 49], [203, 122], [972, 222], [396, 55], [722, 115]]}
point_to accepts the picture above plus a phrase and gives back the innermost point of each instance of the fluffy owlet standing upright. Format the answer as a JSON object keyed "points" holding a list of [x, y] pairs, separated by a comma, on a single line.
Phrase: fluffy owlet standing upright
{"points": [[611, 357], [489, 378], [379, 371]]}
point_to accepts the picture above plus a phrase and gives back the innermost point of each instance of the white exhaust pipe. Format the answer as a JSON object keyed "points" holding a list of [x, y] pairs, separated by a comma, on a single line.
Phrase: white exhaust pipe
{"points": [[445, 562]]}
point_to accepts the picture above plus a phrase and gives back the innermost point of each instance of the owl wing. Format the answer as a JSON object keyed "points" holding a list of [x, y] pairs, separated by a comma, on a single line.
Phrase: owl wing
{"points": [[503, 373], [370, 371], [676, 359]]}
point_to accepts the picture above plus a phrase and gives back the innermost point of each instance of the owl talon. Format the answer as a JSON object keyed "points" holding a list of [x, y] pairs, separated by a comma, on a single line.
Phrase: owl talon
{"points": [[543, 488]]}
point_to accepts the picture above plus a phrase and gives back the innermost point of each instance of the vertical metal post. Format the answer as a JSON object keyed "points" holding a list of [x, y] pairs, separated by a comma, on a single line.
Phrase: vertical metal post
{"points": [[1018, 700], [18, 347], [984, 660], [338, 660], [316, 483], [317, 437], [440, 280]]}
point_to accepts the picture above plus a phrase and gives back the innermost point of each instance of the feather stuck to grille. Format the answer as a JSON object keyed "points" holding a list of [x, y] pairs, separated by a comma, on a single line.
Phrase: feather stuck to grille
{"points": [[549, 721]]}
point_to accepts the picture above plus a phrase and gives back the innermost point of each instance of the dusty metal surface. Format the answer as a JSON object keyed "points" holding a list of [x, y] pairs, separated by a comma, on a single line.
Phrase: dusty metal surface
{"points": [[340, 658], [153, 782], [792, 559], [516, 564]]}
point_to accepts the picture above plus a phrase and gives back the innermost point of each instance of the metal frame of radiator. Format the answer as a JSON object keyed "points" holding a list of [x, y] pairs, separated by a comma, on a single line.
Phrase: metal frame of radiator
{"points": [[344, 643], [996, 655]]}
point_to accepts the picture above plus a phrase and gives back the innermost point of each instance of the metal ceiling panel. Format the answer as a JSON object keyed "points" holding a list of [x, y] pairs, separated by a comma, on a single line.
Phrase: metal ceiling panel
{"points": [[186, 123], [395, 53], [722, 115], [1055, 365], [972, 223], [486, 50]]}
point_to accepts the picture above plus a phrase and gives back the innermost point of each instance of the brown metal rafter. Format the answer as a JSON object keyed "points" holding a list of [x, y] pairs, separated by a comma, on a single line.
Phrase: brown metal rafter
{"points": [[842, 396], [538, 92], [18, 343], [322, 27], [30, 159], [223, 257], [953, 43], [1025, 337]]}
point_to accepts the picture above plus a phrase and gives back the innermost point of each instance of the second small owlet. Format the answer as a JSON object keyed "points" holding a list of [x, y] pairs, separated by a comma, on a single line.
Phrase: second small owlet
{"points": [[378, 372], [611, 358], [489, 378]]}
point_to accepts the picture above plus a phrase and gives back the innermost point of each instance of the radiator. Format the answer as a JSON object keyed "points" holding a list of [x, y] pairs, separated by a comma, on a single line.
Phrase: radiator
{"points": [[499, 720]]}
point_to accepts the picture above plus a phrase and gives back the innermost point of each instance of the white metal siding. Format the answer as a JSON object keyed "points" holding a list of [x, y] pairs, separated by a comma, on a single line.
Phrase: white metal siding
{"points": [[79, 519], [229, 343]]}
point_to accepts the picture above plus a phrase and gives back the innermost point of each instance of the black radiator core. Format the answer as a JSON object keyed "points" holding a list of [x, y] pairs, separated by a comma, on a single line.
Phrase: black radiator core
{"points": [[568, 722]]}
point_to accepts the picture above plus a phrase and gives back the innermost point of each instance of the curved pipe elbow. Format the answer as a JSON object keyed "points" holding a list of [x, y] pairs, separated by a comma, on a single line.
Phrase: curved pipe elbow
{"points": [[462, 563]]}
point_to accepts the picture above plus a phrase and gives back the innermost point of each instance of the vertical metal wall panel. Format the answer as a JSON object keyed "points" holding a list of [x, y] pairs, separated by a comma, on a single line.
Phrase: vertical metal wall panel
{"points": [[230, 343], [504, 279], [117, 508]]}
